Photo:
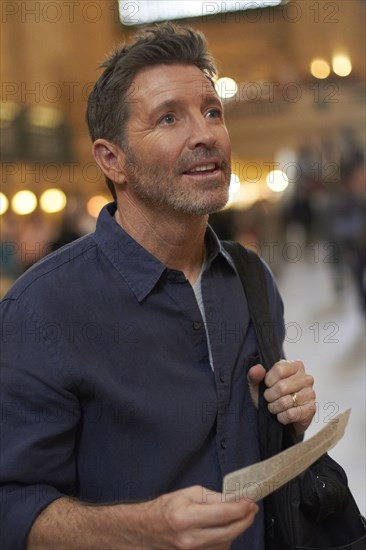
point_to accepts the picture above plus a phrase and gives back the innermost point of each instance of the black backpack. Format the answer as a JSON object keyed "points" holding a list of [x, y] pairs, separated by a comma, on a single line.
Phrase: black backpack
{"points": [[316, 510]]}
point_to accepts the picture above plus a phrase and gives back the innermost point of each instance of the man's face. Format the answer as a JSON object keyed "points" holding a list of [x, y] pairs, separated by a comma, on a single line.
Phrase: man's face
{"points": [[178, 148]]}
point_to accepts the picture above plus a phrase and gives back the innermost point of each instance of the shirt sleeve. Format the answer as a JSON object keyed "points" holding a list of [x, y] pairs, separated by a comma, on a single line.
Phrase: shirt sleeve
{"points": [[39, 417]]}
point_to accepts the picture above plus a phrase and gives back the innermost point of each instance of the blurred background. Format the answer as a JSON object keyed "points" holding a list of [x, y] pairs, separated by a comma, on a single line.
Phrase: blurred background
{"points": [[292, 77]]}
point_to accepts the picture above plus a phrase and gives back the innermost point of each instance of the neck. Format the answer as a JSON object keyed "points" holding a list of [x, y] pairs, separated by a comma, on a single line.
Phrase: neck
{"points": [[177, 240]]}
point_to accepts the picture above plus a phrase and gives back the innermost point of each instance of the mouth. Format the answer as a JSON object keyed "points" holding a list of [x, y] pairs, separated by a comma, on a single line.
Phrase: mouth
{"points": [[203, 169]]}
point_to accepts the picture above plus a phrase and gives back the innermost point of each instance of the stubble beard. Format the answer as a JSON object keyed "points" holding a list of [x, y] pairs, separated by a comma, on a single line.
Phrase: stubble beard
{"points": [[160, 188]]}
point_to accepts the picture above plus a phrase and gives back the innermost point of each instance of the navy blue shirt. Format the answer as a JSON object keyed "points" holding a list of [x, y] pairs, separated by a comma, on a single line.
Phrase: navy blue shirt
{"points": [[107, 390]]}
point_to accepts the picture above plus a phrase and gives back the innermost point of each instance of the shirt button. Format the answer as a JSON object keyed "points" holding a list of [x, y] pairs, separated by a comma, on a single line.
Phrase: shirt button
{"points": [[223, 444], [222, 379], [196, 325]]}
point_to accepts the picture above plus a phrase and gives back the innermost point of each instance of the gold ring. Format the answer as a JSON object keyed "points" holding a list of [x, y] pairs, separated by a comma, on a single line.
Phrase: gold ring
{"points": [[295, 402]]}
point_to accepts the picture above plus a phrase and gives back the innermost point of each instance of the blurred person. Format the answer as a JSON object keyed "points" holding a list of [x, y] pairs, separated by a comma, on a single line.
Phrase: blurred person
{"points": [[340, 212], [351, 154], [352, 210], [10, 265], [300, 210], [35, 238], [130, 374], [347, 230], [68, 231]]}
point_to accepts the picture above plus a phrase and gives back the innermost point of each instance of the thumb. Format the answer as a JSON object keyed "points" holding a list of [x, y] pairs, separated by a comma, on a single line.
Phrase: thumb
{"points": [[255, 376]]}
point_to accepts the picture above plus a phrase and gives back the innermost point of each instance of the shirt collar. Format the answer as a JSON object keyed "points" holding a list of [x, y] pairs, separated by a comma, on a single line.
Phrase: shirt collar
{"points": [[214, 248], [140, 269]]}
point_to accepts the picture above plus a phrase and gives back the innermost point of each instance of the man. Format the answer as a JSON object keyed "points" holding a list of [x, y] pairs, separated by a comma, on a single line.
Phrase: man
{"points": [[130, 371]]}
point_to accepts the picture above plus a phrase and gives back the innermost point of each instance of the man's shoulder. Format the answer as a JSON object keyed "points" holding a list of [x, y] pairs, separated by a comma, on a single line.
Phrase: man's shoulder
{"points": [[55, 270]]}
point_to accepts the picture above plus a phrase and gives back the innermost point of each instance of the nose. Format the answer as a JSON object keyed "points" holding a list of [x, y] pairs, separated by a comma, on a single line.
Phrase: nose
{"points": [[201, 133]]}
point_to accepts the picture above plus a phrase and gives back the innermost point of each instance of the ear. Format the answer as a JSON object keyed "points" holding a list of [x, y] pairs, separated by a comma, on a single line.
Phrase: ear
{"points": [[110, 158]]}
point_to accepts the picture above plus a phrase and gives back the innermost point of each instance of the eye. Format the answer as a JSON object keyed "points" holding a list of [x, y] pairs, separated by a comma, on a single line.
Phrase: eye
{"points": [[167, 119], [214, 113]]}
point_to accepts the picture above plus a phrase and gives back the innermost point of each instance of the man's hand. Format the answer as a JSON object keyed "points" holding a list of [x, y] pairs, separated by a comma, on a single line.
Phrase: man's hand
{"points": [[193, 518], [196, 518], [290, 394]]}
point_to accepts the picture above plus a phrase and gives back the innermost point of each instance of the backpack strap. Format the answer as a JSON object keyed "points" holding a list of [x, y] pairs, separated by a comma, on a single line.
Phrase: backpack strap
{"points": [[251, 271]]}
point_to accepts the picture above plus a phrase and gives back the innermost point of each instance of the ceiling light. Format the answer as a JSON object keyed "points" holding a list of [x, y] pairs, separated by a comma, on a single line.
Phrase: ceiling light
{"points": [[95, 205], [53, 200], [4, 203], [24, 202], [320, 68], [342, 65], [277, 181], [226, 87]]}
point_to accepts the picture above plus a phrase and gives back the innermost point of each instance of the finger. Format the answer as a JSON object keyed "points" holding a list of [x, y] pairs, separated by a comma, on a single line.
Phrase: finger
{"points": [[256, 373], [299, 416], [255, 376], [220, 536], [292, 400], [281, 370], [201, 499], [205, 528], [215, 515], [287, 386]]}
